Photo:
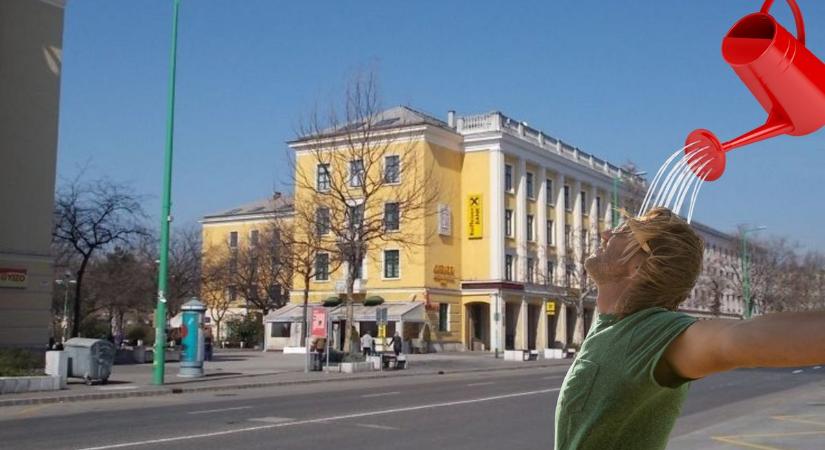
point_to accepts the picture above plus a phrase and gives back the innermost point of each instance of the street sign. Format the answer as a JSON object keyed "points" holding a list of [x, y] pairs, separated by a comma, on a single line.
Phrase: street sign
{"points": [[382, 331], [319, 322], [551, 308]]}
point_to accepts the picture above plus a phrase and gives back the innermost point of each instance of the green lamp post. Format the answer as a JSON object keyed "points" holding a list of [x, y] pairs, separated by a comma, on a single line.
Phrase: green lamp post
{"points": [[158, 364]]}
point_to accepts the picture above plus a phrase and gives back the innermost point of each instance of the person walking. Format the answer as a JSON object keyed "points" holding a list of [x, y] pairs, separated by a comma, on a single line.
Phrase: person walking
{"points": [[366, 344], [396, 343]]}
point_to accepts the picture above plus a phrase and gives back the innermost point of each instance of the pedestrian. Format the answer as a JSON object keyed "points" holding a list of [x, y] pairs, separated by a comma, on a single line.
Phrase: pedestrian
{"points": [[366, 344], [396, 343], [630, 377]]}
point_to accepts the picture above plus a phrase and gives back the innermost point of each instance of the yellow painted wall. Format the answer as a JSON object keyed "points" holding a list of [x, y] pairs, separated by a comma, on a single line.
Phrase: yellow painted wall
{"points": [[475, 179]]}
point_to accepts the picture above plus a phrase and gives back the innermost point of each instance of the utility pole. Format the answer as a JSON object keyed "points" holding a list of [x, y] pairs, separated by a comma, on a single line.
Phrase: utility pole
{"points": [[66, 281], [746, 277], [165, 215]]}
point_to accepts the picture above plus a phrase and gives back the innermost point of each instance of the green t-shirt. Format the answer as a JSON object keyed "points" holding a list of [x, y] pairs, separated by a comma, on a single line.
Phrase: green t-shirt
{"points": [[609, 398]]}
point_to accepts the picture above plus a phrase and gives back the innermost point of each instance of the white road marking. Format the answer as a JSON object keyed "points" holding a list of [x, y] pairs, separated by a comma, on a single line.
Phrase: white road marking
{"points": [[817, 367], [320, 420], [553, 377], [209, 411], [271, 419], [797, 371], [116, 388], [377, 427], [380, 394], [481, 384]]}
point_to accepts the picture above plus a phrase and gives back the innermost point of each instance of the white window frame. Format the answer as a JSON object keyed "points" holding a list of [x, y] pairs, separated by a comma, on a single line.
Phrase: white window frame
{"points": [[350, 176], [508, 225], [531, 270], [510, 189], [509, 275], [237, 240], [599, 207], [398, 217], [329, 221], [384, 264], [551, 197], [568, 204], [447, 329], [583, 199], [531, 228], [329, 273], [551, 232], [254, 237], [384, 170], [329, 177]]}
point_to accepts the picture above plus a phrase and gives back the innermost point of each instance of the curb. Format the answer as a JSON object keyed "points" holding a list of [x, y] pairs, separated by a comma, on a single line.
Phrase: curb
{"points": [[154, 392]]}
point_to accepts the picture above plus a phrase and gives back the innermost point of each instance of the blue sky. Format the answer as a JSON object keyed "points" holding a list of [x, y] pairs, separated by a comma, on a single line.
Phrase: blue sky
{"points": [[621, 80]]}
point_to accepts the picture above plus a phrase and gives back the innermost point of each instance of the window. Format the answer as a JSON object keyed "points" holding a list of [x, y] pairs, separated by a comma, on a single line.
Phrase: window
{"points": [[232, 293], [530, 233], [392, 169], [391, 264], [322, 267], [233, 239], [568, 238], [356, 172], [530, 192], [391, 217], [443, 317], [322, 180], [508, 267], [508, 178], [322, 225], [568, 275], [508, 222], [551, 235], [551, 270], [598, 206], [253, 237], [280, 329], [585, 209], [355, 216], [567, 205], [531, 269], [549, 191]]}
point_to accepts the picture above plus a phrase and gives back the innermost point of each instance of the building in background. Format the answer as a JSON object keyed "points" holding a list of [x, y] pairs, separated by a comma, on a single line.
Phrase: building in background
{"points": [[30, 66], [227, 237]]}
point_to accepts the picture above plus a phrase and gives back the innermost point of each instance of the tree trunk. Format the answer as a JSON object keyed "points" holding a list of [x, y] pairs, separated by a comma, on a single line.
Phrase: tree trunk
{"points": [[304, 333], [218, 331], [76, 301]]}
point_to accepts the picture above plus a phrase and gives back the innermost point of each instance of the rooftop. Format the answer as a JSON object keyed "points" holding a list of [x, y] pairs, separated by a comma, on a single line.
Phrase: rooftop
{"points": [[277, 204]]}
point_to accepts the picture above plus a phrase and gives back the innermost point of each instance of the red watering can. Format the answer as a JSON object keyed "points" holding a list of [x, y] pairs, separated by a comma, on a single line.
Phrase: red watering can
{"points": [[784, 76]]}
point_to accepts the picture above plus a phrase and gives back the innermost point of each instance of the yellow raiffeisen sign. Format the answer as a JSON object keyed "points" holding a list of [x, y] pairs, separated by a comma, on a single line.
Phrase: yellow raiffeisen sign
{"points": [[551, 308], [475, 227]]}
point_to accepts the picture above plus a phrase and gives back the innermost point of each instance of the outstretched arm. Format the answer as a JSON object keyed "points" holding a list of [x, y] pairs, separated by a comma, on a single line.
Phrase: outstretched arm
{"points": [[773, 340]]}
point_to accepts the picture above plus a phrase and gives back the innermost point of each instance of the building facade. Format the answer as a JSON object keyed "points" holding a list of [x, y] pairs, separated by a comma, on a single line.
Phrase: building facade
{"points": [[30, 67]]}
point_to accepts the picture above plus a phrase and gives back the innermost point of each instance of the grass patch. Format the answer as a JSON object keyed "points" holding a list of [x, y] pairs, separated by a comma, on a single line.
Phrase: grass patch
{"points": [[17, 362]]}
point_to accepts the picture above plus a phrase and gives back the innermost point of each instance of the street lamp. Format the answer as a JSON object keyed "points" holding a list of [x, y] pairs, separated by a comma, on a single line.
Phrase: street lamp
{"points": [[66, 281], [614, 217], [746, 277]]}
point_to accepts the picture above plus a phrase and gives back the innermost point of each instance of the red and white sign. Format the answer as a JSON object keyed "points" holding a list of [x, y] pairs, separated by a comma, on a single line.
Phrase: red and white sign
{"points": [[319, 322], [13, 278]]}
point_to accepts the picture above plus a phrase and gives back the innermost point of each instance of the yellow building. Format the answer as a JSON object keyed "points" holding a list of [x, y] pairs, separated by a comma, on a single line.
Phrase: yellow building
{"points": [[510, 206], [229, 233]]}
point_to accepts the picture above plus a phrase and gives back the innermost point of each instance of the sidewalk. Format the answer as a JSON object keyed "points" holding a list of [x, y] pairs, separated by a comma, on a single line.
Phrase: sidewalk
{"points": [[254, 369], [793, 419]]}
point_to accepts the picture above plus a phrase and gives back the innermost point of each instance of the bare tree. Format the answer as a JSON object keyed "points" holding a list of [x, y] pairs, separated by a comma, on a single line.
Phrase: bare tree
{"points": [[307, 239], [90, 217], [717, 279], [352, 165], [634, 186], [215, 284], [262, 271]]}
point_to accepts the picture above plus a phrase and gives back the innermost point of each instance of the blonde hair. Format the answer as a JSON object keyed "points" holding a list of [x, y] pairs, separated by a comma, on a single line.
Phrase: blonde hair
{"points": [[672, 263]]}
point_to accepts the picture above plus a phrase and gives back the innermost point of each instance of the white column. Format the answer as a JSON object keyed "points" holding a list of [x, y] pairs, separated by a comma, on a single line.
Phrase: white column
{"points": [[495, 212], [561, 323], [521, 222], [608, 207], [578, 232], [594, 219], [561, 248], [541, 222], [521, 326]]}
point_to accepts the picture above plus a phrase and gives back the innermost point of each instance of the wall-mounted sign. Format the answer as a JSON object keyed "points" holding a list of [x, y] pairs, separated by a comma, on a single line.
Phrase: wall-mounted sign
{"points": [[444, 274], [319, 322], [13, 278], [551, 308], [475, 219], [445, 220]]}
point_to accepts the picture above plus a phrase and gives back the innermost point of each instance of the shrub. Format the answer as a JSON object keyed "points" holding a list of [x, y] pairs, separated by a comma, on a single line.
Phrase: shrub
{"points": [[248, 329], [15, 362]]}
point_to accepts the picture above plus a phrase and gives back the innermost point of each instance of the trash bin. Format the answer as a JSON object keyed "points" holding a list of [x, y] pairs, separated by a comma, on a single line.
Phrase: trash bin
{"points": [[90, 359], [315, 362]]}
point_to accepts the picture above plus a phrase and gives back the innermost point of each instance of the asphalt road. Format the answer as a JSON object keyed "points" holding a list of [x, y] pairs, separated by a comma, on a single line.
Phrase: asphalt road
{"points": [[493, 410]]}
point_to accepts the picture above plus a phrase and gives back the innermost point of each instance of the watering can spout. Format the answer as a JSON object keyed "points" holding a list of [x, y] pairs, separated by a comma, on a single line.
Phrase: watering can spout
{"points": [[784, 76]]}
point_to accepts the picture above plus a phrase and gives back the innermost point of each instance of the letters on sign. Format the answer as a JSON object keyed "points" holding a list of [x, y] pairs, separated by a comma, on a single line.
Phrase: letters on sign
{"points": [[475, 226], [13, 278]]}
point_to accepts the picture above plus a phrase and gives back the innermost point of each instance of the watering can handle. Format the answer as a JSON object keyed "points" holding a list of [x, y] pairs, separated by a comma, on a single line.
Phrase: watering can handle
{"points": [[797, 16]]}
